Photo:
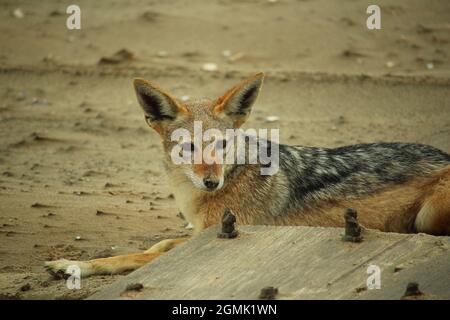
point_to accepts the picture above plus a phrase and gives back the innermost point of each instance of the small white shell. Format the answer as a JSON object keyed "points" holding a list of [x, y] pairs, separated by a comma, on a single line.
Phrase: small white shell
{"points": [[390, 64], [226, 53], [189, 226], [272, 118], [210, 66], [162, 54], [18, 13]]}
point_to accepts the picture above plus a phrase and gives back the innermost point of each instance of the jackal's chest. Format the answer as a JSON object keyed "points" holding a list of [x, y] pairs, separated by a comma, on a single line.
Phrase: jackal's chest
{"points": [[186, 198], [202, 209]]}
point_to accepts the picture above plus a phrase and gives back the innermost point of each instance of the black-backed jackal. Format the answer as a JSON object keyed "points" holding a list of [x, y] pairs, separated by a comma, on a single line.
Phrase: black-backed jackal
{"points": [[395, 187]]}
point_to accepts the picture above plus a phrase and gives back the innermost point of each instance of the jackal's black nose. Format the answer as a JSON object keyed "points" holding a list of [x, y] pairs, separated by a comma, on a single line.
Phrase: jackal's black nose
{"points": [[210, 184]]}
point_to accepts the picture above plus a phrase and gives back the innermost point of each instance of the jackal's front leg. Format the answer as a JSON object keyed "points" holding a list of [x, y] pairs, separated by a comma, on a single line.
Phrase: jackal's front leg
{"points": [[112, 265]]}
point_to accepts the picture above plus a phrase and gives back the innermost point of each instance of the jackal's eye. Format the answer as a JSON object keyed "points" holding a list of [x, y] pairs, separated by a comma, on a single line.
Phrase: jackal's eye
{"points": [[188, 147], [221, 144]]}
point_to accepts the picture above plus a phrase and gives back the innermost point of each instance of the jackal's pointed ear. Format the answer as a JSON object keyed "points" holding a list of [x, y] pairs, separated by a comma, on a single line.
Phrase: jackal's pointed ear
{"points": [[237, 102], [159, 106]]}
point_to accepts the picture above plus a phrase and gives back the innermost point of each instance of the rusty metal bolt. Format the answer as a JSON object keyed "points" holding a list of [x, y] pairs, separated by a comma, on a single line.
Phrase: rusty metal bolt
{"points": [[228, 221], [412, 291], [268, 293], [352, 227], [134, 287]]}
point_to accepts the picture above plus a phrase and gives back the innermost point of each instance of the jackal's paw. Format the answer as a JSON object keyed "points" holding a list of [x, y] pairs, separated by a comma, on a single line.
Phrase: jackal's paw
{"points": [[63, 269]]}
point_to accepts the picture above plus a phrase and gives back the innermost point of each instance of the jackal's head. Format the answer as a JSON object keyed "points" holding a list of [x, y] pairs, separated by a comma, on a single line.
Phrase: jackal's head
{"points": [[194, 134]]}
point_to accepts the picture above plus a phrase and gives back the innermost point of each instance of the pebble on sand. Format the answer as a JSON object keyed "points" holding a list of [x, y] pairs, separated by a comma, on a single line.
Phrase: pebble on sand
{"points": [[226, 53], [210, 66], [272, 118], [21, 95], [123, 55], [25, 287], [235, 57], [18, 13], [162, 54], [390, 64]]}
